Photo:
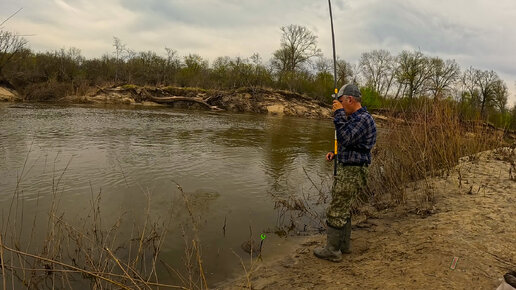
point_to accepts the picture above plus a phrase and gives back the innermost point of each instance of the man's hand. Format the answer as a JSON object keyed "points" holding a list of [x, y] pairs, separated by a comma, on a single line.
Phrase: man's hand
{"points": [[330, 156], [337, 105]]}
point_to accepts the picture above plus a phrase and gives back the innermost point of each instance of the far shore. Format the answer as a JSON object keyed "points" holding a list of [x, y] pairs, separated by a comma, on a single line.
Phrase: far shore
{"points": [[252, 100], [243, 100]]}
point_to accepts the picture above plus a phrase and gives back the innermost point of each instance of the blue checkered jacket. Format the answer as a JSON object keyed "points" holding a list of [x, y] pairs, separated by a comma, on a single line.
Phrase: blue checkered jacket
{"points": [[356, 136]]}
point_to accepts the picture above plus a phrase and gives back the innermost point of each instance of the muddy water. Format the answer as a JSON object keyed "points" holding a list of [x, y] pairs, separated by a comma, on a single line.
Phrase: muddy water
{"points": [[229, 165]]}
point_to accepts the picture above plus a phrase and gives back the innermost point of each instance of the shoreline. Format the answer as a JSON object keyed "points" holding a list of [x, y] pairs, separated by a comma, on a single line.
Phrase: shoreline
{"points": [[243, 100], [397, 248]]}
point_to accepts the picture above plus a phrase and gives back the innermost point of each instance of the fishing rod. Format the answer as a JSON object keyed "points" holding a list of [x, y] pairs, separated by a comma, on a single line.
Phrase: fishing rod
{"points": [[11, 16], [334, 86]]}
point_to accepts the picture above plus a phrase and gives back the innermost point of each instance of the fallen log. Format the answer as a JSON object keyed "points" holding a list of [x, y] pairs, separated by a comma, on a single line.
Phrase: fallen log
{"points": [[166, 100]]}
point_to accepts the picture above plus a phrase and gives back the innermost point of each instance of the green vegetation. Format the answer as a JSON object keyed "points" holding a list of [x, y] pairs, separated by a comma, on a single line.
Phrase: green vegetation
{"points": [[388, 82], [372, 99]]}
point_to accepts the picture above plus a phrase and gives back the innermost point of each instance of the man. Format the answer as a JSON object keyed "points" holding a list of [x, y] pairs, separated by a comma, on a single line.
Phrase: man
{"points": [[356, 135]]}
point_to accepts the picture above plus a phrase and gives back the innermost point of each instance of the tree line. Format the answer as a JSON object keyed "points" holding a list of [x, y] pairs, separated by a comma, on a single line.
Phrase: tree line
{"points": [[297, 65]]}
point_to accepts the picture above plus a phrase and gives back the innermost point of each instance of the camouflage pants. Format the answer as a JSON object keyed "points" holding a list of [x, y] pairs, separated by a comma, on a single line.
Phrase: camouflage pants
{"points": [[346, 187]]}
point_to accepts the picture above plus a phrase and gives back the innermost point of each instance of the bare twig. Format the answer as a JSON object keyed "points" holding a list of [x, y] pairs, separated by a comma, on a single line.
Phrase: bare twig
{"points": [[199, 262], [2, 262], [122, 268], [65, 265], [247, 274]]}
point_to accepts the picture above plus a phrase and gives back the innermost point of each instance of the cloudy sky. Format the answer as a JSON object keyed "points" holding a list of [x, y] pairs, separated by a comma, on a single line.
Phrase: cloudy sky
{"points": [[477, 33]]}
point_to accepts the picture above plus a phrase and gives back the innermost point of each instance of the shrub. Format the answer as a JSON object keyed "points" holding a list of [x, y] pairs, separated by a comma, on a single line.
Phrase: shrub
{"points": [[48, 91], [371, 99]]}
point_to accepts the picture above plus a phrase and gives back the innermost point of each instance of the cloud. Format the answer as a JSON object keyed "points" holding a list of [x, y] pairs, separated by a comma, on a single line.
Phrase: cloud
{"points": [[475, 33]]}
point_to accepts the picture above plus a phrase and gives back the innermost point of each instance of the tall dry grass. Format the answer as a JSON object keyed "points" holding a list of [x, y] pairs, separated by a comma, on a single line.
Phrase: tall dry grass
{"points": [[412, 145], [424, 142]]}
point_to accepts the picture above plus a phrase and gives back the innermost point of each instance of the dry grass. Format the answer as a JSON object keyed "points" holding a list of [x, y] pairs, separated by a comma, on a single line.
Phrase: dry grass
{"points": [[412, 146], [89, 253], [427, 142], [301, 211]]}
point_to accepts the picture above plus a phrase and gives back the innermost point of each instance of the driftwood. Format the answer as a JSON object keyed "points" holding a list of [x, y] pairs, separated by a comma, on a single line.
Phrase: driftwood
{"points": [[140, 94], [166, 100]]}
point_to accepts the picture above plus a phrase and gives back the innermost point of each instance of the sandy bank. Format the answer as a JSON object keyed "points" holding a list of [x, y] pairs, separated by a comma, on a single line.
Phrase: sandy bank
{"points": [[8, 95], [250, 100], [242, 100], [473, 220]]}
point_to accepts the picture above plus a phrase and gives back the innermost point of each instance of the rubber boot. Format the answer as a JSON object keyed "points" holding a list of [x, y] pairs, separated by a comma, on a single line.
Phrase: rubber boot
{"points": [[345, 245], [331, 251]]}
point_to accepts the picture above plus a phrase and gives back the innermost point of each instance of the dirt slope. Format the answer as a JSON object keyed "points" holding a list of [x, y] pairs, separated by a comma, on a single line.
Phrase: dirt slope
{"points": [[8, 95], [250, 100]]}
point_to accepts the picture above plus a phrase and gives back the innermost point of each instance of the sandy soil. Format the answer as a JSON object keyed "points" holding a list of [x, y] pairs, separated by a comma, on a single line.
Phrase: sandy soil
{"points": [[473, 218], [7, 95]]}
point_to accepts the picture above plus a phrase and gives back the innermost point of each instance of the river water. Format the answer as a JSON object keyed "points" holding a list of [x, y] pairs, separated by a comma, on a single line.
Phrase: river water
{"points": [[229, 165]]}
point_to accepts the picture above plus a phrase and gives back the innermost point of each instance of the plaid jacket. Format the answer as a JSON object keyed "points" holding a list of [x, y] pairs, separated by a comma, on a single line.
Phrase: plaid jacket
{"points": [[356, 135]]}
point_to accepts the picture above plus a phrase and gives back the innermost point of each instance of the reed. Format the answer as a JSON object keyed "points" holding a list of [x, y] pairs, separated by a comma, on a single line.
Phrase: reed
{"points": [[417, 144], [86, 251]]}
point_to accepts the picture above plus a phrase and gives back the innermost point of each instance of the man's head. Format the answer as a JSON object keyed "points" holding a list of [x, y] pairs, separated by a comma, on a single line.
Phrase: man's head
{"points": [[350, 98]]}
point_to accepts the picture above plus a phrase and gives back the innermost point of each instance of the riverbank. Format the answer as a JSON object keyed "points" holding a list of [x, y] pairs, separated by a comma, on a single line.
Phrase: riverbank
{"points": [[8, 95], [472, 220], [243, 100]]}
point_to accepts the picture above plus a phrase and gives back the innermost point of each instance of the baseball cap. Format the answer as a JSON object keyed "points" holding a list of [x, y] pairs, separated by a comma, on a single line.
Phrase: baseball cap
{"points": [[349, 90]]}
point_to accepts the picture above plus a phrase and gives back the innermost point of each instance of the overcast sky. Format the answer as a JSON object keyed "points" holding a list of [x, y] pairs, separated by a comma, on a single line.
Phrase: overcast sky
{"points": [[478, 33]]}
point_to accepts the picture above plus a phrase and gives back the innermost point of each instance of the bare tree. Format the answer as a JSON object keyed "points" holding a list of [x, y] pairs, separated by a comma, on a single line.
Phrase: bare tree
{"points": [[172, 59], [345, 72], [485, 82], [298, 45], [120, 48], [262, 74], [10, 45], [376, 67], [412, 72], [323, 65], [121, 54], [173, 65], [443, 74], [500, 95], [484, 87], [469, 86], [69, 62]]}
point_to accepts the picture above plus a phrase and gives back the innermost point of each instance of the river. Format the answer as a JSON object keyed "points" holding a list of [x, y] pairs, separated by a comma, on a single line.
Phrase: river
{"points": [[229, 165]]}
